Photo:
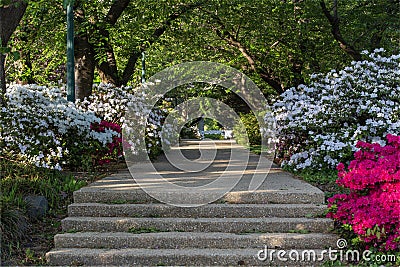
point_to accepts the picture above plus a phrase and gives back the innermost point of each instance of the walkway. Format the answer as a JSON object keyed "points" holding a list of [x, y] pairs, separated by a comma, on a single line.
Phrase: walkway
{"points": [[115, 222]]}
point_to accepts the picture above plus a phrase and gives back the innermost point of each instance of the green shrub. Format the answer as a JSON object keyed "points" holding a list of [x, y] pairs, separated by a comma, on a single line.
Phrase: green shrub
{"points": [[252, 129], [214, 136], [188, 133]]}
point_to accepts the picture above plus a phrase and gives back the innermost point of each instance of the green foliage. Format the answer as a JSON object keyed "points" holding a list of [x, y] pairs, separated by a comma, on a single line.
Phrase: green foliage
{"points": [[214, 136], [252, 130], [18, 180], [325, 179], [280, 36], [257, 149], [211, 124], [13, 226], [188, 133], [143, 230], [40, 39]]}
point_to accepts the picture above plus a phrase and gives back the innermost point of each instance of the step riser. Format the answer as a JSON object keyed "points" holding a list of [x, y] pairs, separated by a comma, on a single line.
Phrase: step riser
{"points": [[208, 211], [193, 225], [175, 241], [211, 258], [139, 196], [273, 198]]}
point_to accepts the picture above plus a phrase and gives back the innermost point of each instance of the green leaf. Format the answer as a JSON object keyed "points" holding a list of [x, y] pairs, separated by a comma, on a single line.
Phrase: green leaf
{"points": [[5, 50], [16, 55]]}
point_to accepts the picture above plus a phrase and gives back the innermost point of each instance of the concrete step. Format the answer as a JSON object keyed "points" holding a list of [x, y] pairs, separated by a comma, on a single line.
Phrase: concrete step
{"points": [[90, 195], [181, 257], [206, 211], [176, 240], [228, 225]]}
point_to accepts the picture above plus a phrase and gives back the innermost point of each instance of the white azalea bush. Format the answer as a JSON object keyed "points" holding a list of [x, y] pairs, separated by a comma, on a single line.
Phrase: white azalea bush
{"points": [[320, 124], [113, 104], [39, 126]]}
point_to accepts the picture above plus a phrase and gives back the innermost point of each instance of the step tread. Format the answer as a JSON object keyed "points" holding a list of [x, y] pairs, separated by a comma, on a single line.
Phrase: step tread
{"points": [[283, 196], [123, 257], [209, 210], [222, 205], [193, 239], [269, 219], [267, 224], [278, 187]]}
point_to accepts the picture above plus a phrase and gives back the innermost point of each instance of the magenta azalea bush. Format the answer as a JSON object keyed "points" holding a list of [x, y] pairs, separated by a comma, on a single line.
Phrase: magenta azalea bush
{"points": [[114, 148], [372, 208]]}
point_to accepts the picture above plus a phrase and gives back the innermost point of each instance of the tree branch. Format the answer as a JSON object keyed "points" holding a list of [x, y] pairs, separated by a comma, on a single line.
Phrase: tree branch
{"points": [[108, 68], [264, 73], [10, 16], [335, 29], [167, 22], [158, 32], [130, 66], [116, 10]]}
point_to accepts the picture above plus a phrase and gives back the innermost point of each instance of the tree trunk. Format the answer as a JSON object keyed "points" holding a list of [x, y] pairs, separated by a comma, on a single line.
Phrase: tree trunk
{"points": [[108, 69], [10, 16], [84, 67]]}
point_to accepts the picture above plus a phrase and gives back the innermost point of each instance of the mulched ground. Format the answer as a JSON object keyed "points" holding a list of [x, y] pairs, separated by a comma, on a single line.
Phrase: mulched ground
{"points": [[39, 240]]}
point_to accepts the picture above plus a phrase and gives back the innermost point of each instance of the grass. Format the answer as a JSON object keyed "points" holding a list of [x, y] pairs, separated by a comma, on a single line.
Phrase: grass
{"points": [[299, 231], [124, 201], [257, 149], [25, 240], [143, 230], [323, 179]]}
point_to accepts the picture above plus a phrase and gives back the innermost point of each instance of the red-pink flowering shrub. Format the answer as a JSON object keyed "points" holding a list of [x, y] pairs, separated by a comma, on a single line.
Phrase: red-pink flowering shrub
{"points": [[114, 149], [372, 208]]}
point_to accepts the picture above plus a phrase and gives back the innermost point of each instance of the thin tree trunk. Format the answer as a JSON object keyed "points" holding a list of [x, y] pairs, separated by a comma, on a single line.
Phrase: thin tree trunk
{"points": [[84, 67]]}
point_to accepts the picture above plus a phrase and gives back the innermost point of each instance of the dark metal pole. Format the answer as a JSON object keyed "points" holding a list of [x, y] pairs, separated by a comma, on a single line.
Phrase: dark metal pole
{"points": [[143, 67], [70, 52]]}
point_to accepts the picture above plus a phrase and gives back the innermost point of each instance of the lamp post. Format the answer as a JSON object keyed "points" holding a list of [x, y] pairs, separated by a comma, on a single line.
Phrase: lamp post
{"points": [[69, 5]]}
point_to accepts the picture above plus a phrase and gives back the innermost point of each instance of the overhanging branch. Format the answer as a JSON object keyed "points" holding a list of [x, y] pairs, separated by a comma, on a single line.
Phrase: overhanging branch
{"points": [[335, 29]]}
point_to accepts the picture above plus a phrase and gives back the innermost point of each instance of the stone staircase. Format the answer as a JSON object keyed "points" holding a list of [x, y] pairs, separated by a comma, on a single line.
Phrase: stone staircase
{"points": [[115, 223]]}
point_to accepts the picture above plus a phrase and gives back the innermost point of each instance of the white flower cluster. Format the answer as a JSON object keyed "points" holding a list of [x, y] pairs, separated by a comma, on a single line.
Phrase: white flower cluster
{"points": [[113, 104], [40, 126], [319, 124], [107, 102]]}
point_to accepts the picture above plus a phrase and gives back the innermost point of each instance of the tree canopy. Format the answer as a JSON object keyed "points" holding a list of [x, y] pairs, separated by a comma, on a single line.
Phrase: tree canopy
{"points": [[278, 43]]}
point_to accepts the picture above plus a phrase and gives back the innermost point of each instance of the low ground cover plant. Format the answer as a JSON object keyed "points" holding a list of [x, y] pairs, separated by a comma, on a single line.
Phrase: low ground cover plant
{"points": [[20, 232]]}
